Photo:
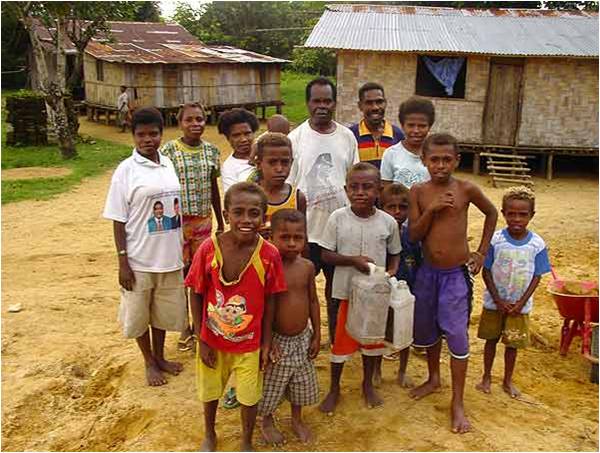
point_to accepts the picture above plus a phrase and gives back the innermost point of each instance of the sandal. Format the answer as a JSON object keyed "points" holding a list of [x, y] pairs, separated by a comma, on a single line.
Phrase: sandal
{"points": [[185, 344], [229, 400]]}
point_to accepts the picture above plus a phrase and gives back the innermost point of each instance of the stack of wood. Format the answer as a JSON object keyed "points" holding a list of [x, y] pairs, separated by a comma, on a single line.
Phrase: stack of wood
{"points": [[26, 113], [509, 169]]}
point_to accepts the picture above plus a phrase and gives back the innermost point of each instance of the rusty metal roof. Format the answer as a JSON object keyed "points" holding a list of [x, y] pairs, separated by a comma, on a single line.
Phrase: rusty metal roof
{"points": [[508, 32], [150, 42]]}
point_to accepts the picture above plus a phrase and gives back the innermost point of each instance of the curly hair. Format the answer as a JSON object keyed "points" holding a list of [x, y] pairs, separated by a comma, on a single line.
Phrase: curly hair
{"points": [[286, 215], [417, 104], [271, 139], [236, 116], [190, 105], [519, 193], [393, 189], [245, 187], [148, 116]]}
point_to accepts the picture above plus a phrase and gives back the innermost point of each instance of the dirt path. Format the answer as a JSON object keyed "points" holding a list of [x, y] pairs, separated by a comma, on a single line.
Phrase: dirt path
{"points": [[71, 382]]}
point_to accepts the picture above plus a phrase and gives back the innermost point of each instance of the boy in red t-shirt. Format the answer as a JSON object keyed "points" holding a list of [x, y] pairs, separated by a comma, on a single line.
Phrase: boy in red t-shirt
{"points": [[234, 279]]}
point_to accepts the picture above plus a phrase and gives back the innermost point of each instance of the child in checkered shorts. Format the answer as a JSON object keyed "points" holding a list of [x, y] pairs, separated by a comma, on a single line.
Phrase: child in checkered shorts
{"points": [[291, 371]]}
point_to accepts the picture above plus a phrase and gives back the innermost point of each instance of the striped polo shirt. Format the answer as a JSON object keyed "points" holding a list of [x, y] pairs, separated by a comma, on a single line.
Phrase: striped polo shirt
{"points": [[370, 149]]}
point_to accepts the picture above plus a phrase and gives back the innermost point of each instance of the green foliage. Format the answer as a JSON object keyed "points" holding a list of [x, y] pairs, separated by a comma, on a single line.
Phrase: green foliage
{"points": [[23, 94], [93, 159]]}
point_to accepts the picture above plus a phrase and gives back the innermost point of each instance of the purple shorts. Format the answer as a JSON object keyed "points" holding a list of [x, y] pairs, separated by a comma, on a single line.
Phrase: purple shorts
{"points": [[442, 308]]}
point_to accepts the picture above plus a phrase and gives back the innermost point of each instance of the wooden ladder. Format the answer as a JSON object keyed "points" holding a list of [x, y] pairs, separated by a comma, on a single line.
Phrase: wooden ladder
{"points": [[508, 169]]}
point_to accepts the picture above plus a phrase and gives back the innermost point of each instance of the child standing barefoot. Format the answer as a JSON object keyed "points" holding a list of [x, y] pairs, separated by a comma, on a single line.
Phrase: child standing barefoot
{"points": [[295, 343], [235, 278], [438, 217], [515, 262]]}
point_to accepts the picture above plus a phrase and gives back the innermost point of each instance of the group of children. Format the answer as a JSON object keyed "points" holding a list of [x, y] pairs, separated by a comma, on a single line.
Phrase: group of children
{"points": [[253, 290]]}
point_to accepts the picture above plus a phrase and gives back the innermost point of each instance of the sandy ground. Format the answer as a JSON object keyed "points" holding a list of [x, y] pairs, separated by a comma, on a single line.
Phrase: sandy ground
{"points": [[34, 172], [71, 382]]}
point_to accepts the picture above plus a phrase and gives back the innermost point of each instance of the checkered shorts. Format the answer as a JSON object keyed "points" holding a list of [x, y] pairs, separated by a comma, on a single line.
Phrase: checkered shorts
{"points": [[293, 376]]}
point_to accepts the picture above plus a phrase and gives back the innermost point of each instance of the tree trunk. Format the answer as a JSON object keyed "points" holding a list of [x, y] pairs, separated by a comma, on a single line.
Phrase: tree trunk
{"points": [[53, 90]]}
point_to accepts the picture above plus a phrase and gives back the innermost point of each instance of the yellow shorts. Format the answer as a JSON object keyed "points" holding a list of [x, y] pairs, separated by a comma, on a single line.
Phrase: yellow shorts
{"points": [[249, 379], [157, 299], [514, 330]]}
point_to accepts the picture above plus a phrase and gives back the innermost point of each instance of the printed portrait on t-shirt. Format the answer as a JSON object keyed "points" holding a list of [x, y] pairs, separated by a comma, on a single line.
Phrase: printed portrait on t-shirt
{"points": [[229, 318], [158, 222], [321, 193], [176, 219]]}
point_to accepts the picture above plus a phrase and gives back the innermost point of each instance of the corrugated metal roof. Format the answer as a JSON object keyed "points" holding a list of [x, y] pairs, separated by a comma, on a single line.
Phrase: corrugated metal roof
{"points": [[509, 32], [150, 42]]}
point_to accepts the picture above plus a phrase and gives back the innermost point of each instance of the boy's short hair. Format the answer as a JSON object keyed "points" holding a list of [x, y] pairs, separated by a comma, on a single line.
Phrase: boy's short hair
{"points": [[146, 116], [519, 193], [236, 116], [393, 189], [440, 139], [286, 215], [271, 139], [368, 87], [247, 187], [321, 81], [279, 123], [190, 105], [417, 104], [363, 166]]}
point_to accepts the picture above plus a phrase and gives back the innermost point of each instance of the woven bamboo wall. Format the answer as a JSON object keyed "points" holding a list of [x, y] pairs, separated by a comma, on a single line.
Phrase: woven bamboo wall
{"points": [[162, 85], [560, 103], [397, 74]]}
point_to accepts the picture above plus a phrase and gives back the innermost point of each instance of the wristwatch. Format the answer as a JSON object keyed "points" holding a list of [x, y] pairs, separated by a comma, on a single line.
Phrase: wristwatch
{"points": [[122, 252]]}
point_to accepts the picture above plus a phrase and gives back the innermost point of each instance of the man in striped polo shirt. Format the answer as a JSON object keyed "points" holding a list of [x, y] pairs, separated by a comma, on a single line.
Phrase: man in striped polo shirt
{"points": [[373, 133]]}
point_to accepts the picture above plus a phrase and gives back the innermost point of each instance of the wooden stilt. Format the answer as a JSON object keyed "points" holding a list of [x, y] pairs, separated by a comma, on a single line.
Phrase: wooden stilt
{"points": [[476, 163], [549, 166]]}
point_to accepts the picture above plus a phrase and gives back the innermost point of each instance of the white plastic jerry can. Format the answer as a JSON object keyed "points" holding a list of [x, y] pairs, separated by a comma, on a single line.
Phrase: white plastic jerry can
{"points": [[399, 329], [368, 306]]}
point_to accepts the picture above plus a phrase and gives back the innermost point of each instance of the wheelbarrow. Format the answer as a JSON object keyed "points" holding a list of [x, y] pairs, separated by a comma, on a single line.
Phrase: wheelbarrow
{"points": [[579, 311]]}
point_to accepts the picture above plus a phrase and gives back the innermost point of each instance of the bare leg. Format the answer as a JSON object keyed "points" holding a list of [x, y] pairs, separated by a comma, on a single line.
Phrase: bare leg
{"points": [[433, 383], [270, 433], [248, 422], [371, 397], [158, 347], [510, 358], [330, 402], [460, 423], [403, 380], [210, 435], [377, 371], [300, 429], [489, 353], [153, 374]]}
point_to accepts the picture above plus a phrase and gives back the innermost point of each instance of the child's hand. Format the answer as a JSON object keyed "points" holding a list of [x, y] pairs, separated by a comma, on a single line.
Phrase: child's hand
{"points": [[503, 306], [315, 346], [265, 350], [515, 309], [126, 276], [361, 263], [475, 262], [275, 353], [207, 354], [445, 200]]}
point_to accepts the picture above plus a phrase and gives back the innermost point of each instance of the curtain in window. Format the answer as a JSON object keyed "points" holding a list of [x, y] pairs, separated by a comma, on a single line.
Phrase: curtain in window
{"points": [[445, 70]]}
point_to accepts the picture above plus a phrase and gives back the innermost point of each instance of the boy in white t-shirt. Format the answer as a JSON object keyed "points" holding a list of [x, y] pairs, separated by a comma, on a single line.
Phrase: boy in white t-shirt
{"points": [[142, 192], [401, 163], [238, 126]]}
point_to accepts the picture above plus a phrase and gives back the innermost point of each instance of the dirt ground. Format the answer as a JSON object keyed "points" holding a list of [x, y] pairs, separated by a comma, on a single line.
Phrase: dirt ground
{"points": [[34, 172], [71, 382]]}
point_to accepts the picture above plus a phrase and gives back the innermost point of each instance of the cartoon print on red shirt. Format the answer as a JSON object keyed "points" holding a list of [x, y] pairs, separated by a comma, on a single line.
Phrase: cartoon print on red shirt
{"points": [[229, 319]]}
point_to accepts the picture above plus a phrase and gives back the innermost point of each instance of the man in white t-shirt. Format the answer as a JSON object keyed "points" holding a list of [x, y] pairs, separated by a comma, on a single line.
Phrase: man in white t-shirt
{"points": [[142, 190], [402, 163], [324, 151]]}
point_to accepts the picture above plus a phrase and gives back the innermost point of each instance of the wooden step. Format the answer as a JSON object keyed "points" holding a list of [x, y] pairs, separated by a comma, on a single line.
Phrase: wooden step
{"points": [[518, 181], [496, 167], [505, 156], [508, 174]]}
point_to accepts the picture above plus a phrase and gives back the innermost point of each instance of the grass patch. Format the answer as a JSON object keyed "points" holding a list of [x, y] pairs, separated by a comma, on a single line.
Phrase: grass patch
{"points": [[93, 159]]}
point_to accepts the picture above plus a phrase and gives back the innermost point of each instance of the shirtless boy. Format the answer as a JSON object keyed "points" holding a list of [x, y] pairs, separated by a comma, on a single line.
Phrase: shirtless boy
{"points": [[438, 218], [295, 343]]}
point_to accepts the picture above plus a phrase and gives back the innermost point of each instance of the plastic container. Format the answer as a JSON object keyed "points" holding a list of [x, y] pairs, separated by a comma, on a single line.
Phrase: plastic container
{"points": [[368, 306], [399, 327]]}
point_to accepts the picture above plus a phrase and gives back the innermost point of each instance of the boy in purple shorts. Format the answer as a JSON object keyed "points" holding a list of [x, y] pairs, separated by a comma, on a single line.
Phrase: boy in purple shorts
{"points": [[438, 218]]}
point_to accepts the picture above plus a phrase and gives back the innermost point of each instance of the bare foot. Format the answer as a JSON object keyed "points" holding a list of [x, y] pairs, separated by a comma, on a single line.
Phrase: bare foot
{"points": [[209, 443], [173, 368], [270, 433], [371, 397], [425, 389], [510, 388], [404, 381], [460, 423], [377, 380], [485, 385], [154, 376], [302, 431], [246, 446], [330, 402]]}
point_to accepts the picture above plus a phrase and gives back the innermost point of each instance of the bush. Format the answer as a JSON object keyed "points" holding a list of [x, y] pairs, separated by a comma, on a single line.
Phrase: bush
{"points": [[314, 61]]}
